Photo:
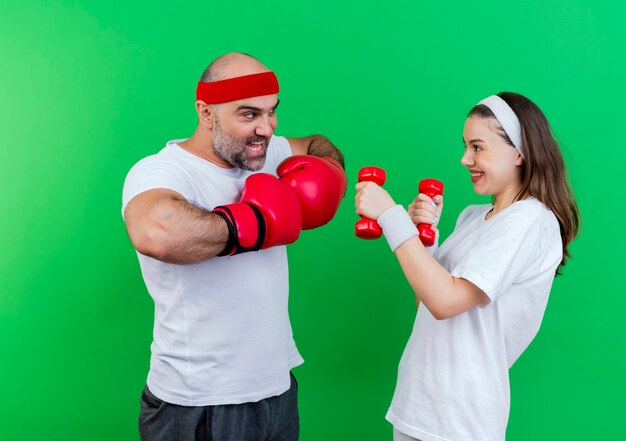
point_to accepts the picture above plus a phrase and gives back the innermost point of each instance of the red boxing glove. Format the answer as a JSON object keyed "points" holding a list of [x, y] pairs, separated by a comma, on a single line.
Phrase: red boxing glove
{"points": [[267, 215], [368, 228], [319, 182], [431, 188]]}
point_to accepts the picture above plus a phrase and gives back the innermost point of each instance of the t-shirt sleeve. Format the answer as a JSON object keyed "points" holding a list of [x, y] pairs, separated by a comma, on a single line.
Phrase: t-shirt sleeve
{"points": [[279, 151], [153, 172], [501, 256]]}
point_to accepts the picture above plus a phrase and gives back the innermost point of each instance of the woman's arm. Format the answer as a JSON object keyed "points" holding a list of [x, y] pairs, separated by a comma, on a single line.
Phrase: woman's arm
{"points": [[444, 296]]}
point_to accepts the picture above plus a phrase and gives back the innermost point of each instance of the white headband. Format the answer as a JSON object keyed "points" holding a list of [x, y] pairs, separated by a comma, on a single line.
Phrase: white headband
{"points": [[507, 119]]}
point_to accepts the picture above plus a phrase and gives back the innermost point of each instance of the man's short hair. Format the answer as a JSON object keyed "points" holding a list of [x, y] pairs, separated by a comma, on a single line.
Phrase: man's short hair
{"points": [[211, 73]]}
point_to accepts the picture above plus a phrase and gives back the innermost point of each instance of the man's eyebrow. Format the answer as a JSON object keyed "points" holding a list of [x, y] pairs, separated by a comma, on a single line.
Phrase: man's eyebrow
{"points": [[256, 109], [244, 107]]}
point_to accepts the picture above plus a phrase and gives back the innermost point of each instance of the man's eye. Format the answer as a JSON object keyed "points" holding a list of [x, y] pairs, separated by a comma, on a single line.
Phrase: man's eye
{"points": [[249, 115]]}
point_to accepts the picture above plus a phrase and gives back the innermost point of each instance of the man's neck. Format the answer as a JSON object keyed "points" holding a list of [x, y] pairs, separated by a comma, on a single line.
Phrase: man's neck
{"points": [[202, 146]]}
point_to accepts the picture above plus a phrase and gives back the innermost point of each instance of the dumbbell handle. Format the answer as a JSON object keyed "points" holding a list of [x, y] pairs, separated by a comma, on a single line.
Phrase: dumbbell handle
{"points": [[431, 188], [367, 228]]}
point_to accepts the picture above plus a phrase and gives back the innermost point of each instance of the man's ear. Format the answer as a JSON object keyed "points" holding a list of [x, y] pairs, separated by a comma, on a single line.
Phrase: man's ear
{"points": [[205, 114]]}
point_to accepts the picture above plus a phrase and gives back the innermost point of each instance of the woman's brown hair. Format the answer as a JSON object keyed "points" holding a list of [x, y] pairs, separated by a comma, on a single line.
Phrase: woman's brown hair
{"points": [[543, 172]]}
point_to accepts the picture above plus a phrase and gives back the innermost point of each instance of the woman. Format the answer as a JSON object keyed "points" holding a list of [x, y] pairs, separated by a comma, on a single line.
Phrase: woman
{"points": [[485, 290]]}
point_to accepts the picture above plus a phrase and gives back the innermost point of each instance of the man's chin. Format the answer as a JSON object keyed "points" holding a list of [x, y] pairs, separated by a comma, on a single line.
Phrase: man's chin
{"points": [[253, 164]]}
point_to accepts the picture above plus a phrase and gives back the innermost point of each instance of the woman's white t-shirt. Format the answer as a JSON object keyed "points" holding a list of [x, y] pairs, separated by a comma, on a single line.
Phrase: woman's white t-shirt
{"points": [[453, 381]]}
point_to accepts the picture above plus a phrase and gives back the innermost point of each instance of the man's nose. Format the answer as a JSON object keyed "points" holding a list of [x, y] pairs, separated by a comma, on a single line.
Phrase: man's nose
{"points": [[265, 127]]}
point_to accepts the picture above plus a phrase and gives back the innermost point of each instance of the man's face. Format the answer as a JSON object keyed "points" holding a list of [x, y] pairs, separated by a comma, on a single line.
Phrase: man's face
{"points": [[242, 131]]}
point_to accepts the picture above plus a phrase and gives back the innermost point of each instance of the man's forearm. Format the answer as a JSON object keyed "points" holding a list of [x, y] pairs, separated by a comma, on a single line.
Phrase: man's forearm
{"points": [[321, 146], [195, 235]]}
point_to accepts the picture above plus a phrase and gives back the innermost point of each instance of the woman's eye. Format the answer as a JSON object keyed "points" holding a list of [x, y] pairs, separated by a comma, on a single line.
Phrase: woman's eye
{"points": [[477, 148]]}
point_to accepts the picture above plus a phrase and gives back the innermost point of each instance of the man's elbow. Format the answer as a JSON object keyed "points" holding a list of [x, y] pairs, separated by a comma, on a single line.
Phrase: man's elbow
{"points": [[150, 235], [151, 242]]}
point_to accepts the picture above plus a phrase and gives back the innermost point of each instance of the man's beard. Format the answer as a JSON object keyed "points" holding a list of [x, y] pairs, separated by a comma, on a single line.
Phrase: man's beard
{"points": [[233, 151]]}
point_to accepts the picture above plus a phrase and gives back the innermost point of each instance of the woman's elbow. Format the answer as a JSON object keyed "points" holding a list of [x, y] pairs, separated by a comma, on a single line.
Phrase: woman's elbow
{"points": [[442, 315], [443, 312]]}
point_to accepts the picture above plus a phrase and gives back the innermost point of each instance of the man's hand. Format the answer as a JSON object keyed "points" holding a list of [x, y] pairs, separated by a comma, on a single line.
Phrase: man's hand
{"points": [[319, 183], [267, 215]]}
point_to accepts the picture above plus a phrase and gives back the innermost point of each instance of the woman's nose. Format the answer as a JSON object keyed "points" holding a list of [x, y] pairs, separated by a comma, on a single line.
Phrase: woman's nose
{"points": [[467, 158]]}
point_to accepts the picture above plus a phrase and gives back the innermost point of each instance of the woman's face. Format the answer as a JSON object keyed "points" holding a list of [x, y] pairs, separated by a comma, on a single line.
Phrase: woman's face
{"points": [[494, 165]]}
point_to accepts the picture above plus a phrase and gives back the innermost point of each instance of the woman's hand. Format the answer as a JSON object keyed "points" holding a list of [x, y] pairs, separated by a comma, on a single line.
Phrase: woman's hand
{"points": [[371, 200], [424, 210]]}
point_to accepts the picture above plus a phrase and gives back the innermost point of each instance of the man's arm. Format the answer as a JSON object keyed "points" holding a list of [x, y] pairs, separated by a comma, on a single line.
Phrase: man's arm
{"points": [[315, 145], [162, 224]]}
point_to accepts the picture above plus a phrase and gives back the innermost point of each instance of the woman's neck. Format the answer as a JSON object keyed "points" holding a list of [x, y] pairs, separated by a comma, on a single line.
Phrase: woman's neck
{"points": [[503, 200]]}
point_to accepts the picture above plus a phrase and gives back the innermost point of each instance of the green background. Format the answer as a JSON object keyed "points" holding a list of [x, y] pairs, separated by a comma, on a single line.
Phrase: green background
{"points": [[87, 88]]}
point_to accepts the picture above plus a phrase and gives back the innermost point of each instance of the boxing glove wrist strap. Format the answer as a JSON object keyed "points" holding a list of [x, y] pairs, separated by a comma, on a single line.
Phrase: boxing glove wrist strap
{"points": [[397, 226], [246, 228]]}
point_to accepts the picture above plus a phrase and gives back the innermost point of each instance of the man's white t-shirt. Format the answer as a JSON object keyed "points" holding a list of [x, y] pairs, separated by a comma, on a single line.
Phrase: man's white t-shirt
{"points": [[453, 381], [222, 333]]}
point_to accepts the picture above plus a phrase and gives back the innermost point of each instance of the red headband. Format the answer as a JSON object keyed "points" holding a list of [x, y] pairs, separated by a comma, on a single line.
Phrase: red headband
{"points": [[232, 89]]}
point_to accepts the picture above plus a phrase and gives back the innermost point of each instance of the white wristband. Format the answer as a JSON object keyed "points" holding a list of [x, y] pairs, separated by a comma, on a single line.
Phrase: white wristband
{"points": [[397, 226]]}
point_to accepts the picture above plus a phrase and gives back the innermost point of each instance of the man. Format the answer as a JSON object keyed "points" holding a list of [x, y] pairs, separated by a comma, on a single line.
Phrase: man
{"points": [[210, 217]]}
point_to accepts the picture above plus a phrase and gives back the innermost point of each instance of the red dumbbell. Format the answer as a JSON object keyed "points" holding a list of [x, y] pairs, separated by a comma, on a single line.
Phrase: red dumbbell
{"points": [[431, 188], [368, 228]]}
